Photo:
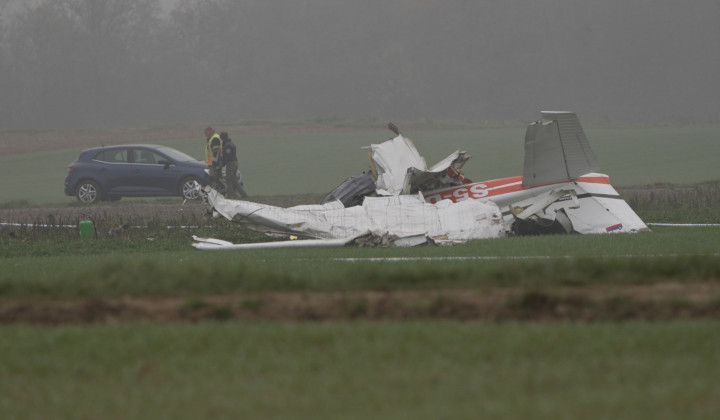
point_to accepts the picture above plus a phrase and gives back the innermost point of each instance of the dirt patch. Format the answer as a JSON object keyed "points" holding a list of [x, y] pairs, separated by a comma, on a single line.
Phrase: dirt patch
{"points": [[658, 302]]}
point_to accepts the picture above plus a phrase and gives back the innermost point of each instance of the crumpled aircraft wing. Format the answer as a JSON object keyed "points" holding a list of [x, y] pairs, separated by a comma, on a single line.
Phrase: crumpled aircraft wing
{"points": [[556, 150], [403, 216]]}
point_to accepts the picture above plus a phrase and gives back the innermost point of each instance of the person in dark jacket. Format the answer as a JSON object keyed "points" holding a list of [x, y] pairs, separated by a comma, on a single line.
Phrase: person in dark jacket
{"points": [[229, 160]]}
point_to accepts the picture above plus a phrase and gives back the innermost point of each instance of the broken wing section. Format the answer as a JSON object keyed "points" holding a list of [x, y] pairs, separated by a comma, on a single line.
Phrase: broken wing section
{"points": [[556, 150], [319, 221], [400, 217], [217, 244]]}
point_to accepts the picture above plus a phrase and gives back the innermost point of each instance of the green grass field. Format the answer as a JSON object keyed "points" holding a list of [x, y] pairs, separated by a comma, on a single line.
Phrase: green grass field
{"points": [[168, 266], [418, 370], [305, 162]]}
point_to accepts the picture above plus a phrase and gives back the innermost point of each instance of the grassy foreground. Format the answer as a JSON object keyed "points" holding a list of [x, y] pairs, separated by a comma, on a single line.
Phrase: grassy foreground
{"points": [[115, 268], [425, 370]]}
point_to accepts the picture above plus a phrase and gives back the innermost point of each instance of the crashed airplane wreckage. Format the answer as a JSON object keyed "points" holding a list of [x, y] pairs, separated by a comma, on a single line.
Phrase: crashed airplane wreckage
{"points": [[402, 202]]}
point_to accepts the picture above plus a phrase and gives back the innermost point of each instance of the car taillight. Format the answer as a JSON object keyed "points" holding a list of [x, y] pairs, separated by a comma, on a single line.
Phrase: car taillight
{"points": [[70, 169]]}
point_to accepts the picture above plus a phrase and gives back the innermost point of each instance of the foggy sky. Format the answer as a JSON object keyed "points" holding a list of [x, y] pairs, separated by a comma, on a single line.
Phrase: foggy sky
{"points": [[82, 63]]}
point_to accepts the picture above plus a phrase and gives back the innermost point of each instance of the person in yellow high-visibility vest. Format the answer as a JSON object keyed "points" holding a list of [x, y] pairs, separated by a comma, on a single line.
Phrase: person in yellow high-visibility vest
{"points": [[213, 153]]}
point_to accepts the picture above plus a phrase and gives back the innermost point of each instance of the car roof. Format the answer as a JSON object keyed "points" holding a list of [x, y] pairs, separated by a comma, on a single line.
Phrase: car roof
{"points": [[123, 146]]}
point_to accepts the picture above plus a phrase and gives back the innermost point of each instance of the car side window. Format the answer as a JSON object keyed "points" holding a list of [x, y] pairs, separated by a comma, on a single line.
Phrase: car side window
{"points": [[147, 157], [113, 156]]}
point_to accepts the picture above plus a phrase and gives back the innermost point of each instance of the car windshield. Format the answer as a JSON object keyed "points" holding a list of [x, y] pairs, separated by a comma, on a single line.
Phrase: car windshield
{"points": [[176, 155]]}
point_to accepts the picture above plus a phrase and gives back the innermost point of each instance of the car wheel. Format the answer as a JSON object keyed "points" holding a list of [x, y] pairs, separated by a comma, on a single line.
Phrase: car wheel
{"points": [[88, 192], [190, 188]]}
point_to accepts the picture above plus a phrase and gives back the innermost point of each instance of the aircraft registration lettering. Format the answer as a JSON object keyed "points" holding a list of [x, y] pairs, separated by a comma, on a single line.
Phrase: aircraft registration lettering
{"points": [[474, 191]]}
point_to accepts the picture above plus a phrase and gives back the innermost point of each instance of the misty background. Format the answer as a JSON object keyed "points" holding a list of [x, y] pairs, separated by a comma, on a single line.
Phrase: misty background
{"points": [[89, 63]]}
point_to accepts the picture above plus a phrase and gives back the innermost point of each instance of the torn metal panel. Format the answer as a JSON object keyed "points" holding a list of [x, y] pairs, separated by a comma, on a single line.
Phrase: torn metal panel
{"points": [[535, 219], [391, 160], [399, 216], [539, 204], [444, 173], [400, 169], [559, 224], [352, 191]]}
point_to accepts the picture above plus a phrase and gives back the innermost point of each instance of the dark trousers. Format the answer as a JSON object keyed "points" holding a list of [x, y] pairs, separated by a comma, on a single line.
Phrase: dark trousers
{"points": [[231, 181], [215, 174]]}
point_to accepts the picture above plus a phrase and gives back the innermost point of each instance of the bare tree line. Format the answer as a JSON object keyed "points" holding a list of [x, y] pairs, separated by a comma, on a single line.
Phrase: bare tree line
{"points": [[78, 63]]}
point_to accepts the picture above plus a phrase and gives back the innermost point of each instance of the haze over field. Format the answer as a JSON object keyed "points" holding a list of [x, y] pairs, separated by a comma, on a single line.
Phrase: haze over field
{"points": [[84, 63]]}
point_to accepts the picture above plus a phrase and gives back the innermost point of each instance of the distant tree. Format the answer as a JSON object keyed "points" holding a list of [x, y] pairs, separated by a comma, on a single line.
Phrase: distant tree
{"points": [[76, 60]]}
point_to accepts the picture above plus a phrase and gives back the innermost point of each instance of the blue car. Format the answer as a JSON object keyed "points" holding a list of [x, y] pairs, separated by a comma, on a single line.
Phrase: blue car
{"points": [[134, 170]]}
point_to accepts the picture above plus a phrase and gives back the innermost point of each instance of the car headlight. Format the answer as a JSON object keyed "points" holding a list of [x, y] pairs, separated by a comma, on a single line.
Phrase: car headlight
{"points": [[207, 171]]}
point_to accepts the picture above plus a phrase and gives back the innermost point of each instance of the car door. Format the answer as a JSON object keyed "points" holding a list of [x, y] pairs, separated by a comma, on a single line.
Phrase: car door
{"points": [[113, 170], [153, 173]]}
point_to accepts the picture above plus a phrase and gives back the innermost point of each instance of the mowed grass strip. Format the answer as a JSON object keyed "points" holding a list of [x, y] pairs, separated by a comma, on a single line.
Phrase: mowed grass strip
{"points": [[359, 370], [667, 254]]}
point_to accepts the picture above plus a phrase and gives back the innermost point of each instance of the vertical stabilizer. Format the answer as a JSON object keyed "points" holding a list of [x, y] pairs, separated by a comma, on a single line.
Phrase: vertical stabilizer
{"points": [[556, 150]]}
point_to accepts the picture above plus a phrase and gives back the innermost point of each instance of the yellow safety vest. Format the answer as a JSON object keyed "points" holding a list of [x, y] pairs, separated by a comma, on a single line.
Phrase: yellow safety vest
{"points": [[213, 150]]}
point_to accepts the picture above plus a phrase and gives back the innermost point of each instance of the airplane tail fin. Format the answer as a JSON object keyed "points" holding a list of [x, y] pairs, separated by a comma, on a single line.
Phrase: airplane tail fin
{"points": [[556, 150]]}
